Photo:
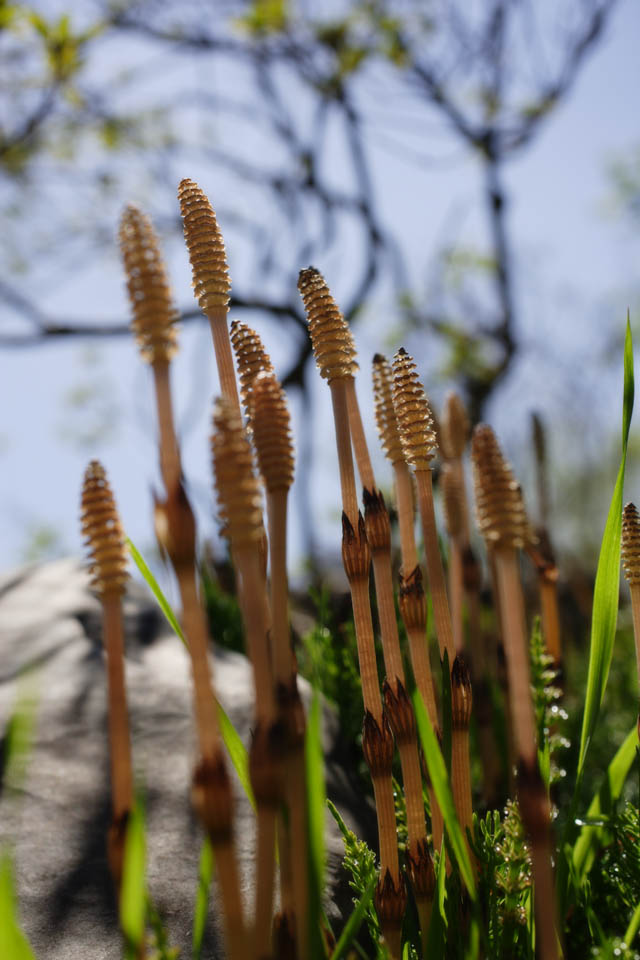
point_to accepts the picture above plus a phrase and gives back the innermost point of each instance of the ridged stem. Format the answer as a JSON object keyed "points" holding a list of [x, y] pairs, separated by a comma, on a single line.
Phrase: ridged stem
{"points": [[264, 880], [456, 593], [296, 785], [119, 741], [461, 781], [387, 615], [198, 639], [343, 443], [366, 648], [634, 589], [229, 881], [550, 615], [358, 436], [435, 573], [387, 835], [406, 515], [281, 646], [169, 452], [224, 357], [516, 650]]}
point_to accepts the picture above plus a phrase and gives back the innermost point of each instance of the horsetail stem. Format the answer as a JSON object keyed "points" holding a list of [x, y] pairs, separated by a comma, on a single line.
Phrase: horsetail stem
{"points": [[105, 540]]}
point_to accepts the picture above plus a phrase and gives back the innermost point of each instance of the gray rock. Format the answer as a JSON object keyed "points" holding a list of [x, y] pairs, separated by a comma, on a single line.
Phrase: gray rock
{"points": [[55, 822]]}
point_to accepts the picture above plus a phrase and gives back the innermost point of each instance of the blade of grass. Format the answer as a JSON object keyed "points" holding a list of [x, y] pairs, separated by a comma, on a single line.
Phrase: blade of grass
{"points": [[205, 873], [603, 628], [163, 603], [13, 943], [606, 591], [442, 789], [591, 836], [237, 752], [16, 743], [133, 894], [435, 945], [316, 803], [634, 926], [354, 922]]}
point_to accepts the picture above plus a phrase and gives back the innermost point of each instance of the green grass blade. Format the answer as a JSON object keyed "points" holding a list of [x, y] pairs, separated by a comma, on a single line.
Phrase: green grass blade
{"points": [[164, 604], [17, 739], [354, 922], [205, 873], [605, 596], [316, 803], [591, 836], [634, 926], [442, 790], [133, 893], [13, 943], [237, 753]]}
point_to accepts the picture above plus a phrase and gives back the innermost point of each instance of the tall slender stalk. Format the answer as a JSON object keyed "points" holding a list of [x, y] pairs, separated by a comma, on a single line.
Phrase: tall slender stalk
{"points": [[412, 600], [415, 426], [334, 352], [153, 323], [274, 446], [106, 543], [240, 503], [503, 522]]}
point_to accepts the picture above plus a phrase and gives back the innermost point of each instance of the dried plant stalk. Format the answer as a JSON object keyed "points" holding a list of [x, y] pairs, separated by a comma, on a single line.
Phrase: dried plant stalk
{"points": [[415, 425], [334, 351], [106, 543], [212, 287], [239, 499], [503, 522]]}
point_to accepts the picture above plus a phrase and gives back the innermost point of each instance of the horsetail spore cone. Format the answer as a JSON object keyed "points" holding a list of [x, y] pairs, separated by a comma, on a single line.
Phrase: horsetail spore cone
{"points": [[454, 427], [272, 432], [251, 358], [413, 413], [331, 338], [154, 314], [103, 533], [211, 283]]}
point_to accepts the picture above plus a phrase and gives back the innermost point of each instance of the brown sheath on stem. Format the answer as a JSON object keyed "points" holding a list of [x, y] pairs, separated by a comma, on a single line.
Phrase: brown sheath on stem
{"points": [[503, 522], [415, 426], [105, 539], [211, 284]]}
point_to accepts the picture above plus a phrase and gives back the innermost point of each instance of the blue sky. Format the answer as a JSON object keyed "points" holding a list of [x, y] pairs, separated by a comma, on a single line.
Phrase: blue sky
{"points": [[577, 267]]}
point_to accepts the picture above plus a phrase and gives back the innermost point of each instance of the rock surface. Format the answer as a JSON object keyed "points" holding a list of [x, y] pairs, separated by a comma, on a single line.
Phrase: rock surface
{"points": [[55, 821]]}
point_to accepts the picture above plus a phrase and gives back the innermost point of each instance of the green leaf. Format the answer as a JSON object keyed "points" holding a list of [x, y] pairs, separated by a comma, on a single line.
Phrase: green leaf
{"points": [[592, 835], [634, 926], [133, 894], [437, 938], [13, 943], [164, 604], [442, 790], [17, 739], [605, 596], [316, 803], [205, 873], [237, 753], [354, 922]]}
